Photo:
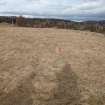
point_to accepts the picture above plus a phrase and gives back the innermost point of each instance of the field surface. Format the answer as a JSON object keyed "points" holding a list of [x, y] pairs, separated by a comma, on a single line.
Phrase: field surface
{"points": [[51, 67]]}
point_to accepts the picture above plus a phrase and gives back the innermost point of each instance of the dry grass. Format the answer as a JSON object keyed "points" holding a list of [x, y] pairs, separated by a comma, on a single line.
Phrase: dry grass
{"points": [[96, 99], [51, 67]]}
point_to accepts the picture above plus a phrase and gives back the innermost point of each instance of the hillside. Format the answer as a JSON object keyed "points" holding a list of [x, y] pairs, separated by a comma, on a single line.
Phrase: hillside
{"points": [[93, 26], [51, 67]]}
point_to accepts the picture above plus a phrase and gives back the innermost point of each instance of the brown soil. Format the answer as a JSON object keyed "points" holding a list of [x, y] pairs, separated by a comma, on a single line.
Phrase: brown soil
{"points": [[51, 67]]}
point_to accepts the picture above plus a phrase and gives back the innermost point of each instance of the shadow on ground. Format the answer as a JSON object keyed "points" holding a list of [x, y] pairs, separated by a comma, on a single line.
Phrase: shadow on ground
{"points": [[19, 96], [67, 92]]}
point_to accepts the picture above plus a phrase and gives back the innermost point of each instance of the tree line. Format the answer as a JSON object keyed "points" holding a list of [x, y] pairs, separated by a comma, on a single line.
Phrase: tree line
{"points": [[94, 26]]}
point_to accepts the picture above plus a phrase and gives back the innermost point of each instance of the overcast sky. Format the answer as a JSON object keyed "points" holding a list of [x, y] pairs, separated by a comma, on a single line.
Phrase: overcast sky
{"points": [[65, 9]]}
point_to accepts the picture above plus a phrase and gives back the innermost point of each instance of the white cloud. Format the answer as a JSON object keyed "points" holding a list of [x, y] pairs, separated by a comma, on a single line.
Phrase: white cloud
{"points": [[56, 8]]}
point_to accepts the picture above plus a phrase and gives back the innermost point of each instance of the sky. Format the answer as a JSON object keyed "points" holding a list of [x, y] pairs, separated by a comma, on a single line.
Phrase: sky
{"points": [[62, 9]]}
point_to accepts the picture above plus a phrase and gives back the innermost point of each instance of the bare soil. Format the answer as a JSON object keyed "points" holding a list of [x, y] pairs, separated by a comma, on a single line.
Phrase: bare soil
{"points": [[51, 67]]}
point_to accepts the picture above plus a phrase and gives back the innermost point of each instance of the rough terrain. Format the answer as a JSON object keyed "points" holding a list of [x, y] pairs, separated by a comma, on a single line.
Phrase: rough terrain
{"points": [[51, 67]]}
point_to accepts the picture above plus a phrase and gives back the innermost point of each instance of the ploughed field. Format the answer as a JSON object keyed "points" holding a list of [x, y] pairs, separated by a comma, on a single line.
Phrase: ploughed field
{"points": [[51, 67]]}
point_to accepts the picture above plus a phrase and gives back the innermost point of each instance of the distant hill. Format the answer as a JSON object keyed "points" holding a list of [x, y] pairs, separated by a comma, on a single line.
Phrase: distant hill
{"points": [[101, 22], [94, 26]]}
